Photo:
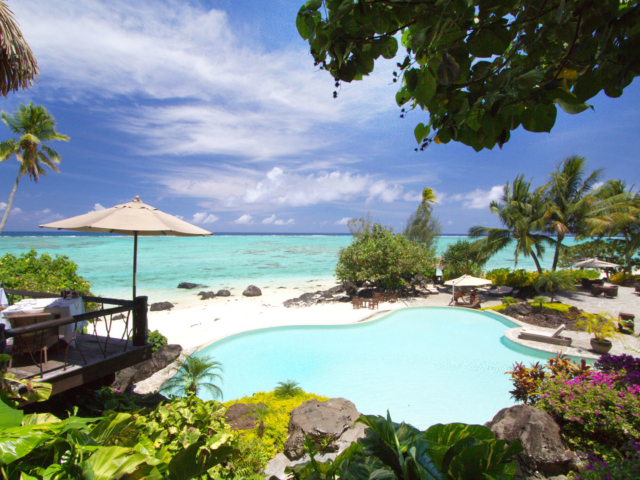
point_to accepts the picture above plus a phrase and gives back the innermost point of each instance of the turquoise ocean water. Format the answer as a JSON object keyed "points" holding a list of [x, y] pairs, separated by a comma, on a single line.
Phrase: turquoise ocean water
{"points": [[218, 261]]}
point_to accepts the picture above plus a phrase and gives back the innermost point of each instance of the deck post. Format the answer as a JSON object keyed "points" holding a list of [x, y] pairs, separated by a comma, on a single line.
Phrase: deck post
{"points": [[140, 326], [3, 339]]}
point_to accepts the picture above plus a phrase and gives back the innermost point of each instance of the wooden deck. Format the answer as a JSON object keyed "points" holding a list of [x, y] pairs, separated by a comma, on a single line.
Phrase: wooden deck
{"points": [[100, 361]]}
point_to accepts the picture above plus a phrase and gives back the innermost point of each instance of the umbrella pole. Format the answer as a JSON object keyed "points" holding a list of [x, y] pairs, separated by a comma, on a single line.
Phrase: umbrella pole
{"points": [[135, 261]]}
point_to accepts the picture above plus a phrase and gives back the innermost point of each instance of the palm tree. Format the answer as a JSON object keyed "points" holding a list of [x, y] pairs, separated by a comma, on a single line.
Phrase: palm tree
{"points": [[428, 195], [553, 281], [194, 375], [33, 125], [261, 412], [290, 388], [18, 65], [422, 226], [571, 195], [524, 215]]}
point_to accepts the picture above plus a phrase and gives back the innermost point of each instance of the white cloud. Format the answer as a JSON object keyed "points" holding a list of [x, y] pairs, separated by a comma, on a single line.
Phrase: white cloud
{"points": [[219, 93], [179, 217], [597, 185], [97, 207], [479, 198], [244, 220], [204, 218], [46, 211], [385, 192], [15, 211], [450, 222], [343, 221], [269, 220], [412, 196], [3, 205], [291, 221]]}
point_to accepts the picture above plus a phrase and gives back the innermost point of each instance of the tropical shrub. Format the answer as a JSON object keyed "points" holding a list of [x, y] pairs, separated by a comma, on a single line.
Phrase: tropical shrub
{"points": [[625, 365], [508, 301], [290, 388], [539, 301], [383, 258], [511, 278], [551, 282], [620, 278], [43, 273], [460, 258], [400, 451], [157, 339], [578, 275], [195, 374], [183, 439], [611, 250], [277, 423], [625, 468]]}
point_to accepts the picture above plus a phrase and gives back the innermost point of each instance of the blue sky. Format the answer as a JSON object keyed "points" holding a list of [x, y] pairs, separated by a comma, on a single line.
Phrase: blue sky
{"points": [[213, 111]]}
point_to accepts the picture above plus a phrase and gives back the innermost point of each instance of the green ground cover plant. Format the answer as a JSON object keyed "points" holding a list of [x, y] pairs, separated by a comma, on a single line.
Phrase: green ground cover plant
{"points": [[43, 273], [157, 339]]}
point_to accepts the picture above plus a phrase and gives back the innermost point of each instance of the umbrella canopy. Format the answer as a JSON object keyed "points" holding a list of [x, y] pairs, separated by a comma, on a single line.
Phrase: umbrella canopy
{"points": [[133, 218], [468, 281], [594, 263]]}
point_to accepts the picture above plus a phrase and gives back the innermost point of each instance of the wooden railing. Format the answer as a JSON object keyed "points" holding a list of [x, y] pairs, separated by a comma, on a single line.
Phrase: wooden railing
{"points": [[139, 332]]}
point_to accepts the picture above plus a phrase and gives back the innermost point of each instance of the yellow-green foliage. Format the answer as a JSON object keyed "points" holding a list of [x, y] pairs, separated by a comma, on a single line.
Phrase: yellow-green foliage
{"points": [[496, 308], [559, 307], [275, 431], [512, 278], [618, 278]]}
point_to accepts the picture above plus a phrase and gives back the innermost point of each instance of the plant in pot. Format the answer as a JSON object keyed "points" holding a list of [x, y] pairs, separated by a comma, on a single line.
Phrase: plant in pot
{"points": [[602, 326]]}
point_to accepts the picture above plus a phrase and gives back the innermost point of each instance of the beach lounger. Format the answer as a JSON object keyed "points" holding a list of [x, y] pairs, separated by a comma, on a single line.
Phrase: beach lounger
{"points": [[475, 305], [539, 336]]}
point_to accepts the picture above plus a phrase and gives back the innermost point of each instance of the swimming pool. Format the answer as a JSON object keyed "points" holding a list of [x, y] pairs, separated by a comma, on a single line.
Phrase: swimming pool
{"points": [[425, 365]]}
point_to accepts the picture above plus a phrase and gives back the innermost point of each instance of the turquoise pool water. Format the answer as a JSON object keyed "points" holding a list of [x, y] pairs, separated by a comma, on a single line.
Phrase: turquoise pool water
{"points": [[425, 365]]}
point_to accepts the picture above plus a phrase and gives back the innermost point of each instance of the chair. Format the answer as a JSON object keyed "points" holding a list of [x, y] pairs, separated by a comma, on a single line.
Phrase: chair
{"points": [[610, 292], [553, 338], [373, 303], [596, 290], [475, 304], [39, 341]]}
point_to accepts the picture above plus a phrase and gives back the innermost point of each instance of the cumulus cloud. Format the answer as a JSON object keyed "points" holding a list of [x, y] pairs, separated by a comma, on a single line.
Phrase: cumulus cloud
{"points": [[343, 221], [381, 190], [204, 218], [269, 220], [244, 220], [3, 205], [479, 198], [291, 221], [46, 210]]}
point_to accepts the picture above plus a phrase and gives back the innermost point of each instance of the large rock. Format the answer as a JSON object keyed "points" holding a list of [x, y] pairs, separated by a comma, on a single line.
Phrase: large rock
{"points": [[517, 310], [350, 288], [318, 419], [544, 453], [188, 285], [160, 306], [238, 416], [223, 293], [165, 355], [206, 295], [252, 291], [124, 378]]}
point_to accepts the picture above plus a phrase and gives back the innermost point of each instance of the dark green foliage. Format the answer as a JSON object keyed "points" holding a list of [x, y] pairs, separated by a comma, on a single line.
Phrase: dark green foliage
{"points": [[290, 388], [610, 250], [383, 258], [483, 69], [401, 452], [553, 281], [41, 274], [461, 258], [157, 339], [423, 226]]}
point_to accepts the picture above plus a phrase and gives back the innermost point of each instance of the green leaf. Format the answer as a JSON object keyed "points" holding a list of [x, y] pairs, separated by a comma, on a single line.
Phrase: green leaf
{"points": [[530, 79], [411, 79], [452, 433], [474, 117], [390, 47], [421, 131], [426, 88], [313, 4], [448, 70], [486, 43], [539, 118], [113, 462], [571, 108], [301, 25], [403, 96], [17, 442], [9, 417]]}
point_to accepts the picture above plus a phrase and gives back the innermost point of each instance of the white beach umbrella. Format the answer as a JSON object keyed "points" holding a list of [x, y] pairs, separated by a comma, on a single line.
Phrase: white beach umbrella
{"points": [[133, 218], [594, 263], [467, 281]]}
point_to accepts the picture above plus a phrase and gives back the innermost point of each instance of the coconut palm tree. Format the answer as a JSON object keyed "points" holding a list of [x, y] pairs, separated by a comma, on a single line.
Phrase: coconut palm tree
{"points": [[523, 214], [428, 195], [551, 282], [570, 192], [34, 126], [194, 375], [19, 66]]}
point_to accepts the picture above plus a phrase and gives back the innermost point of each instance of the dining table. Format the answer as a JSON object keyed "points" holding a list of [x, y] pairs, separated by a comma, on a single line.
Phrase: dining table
{"points": [[57, 307]]}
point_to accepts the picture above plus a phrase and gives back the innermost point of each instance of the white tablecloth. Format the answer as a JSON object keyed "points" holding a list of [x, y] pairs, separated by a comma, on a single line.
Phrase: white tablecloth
{"points": [[58, 307]]}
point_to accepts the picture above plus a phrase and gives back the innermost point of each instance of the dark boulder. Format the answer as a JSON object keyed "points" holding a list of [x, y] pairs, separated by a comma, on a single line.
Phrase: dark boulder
{"points": [[517, 310], [189, 286], [223, 293], [544, 453], [350, 288], [318, 420], [252, 291], [124, 378], [165, 355], [239, 416], [160, 306], [206, 295]]}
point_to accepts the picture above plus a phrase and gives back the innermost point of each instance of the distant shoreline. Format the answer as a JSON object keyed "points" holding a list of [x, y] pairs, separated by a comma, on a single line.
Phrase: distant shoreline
{"points": [[49, 233]]}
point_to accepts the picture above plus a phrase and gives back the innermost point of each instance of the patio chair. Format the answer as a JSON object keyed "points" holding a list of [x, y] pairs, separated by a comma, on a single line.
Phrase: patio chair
{"points": [[373, 303], [611, 292], [31, 343], [355, 301], [553, 337]]}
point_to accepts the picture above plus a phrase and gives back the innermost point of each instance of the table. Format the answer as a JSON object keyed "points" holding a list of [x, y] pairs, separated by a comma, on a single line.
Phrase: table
{"points": [[57, 307]]}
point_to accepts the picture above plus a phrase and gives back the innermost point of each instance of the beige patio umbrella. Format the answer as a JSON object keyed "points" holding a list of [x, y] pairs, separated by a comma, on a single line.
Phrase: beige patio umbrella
{"points": [[594, 263], [467, 281], [133, 218]]}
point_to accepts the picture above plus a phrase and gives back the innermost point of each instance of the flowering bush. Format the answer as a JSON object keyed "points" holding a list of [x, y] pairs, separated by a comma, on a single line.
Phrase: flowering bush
{"points": [[627, 468], [597, 411], [618, 363]]}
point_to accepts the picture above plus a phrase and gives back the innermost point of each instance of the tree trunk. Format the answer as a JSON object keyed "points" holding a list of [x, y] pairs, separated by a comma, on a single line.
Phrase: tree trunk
{"points": [[556, 255], [6, 212], [537, 262]]}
